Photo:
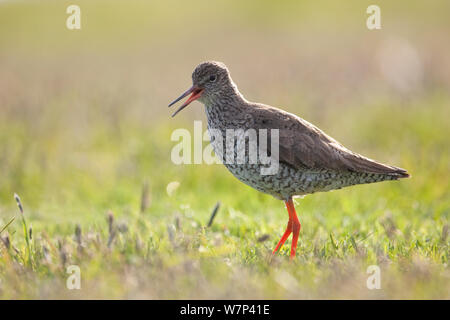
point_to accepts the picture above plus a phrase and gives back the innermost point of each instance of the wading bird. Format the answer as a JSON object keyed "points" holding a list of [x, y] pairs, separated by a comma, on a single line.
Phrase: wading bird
{"points": [[309, 160]]}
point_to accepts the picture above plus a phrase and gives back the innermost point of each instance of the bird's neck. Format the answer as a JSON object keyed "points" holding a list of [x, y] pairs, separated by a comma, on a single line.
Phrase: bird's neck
{"points": [[224, 108]]}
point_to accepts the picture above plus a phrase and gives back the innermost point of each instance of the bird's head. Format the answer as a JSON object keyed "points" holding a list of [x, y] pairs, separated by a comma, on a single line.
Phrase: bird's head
{"points": [[211, 82]]}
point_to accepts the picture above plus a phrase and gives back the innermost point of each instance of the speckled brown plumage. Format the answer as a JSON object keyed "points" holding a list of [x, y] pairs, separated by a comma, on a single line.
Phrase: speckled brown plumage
{"points": [[309, 160]]}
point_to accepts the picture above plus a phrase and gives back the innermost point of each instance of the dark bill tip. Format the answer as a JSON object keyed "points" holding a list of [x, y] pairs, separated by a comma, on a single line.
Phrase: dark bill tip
{"points": [[182, 96]]}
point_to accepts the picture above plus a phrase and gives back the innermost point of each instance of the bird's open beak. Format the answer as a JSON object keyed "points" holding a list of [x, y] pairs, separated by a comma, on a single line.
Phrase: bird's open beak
{"points": [[196, 93]]}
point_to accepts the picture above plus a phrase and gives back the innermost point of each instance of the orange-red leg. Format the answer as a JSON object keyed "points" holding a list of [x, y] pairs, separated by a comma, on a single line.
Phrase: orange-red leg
{"points": [[292, 227], [283, 239]]}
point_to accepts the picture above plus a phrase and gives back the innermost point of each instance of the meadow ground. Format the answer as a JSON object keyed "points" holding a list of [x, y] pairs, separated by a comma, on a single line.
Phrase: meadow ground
{"points": [[85, 142]]}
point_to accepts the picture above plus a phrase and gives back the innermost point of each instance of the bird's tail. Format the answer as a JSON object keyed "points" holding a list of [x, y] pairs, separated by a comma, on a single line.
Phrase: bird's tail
{"points": [[399, 173], [365, 165]]}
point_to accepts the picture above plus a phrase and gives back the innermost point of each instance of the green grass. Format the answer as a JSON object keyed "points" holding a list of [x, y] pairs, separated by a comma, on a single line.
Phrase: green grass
{"points": [[167, 251], [85, 141]]}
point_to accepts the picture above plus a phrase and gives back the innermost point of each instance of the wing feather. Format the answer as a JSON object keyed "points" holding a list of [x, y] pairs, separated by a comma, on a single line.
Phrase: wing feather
{"points": [[303, 145]]}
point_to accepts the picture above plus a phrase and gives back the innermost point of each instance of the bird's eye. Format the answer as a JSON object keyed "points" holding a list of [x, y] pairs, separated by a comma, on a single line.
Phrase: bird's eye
{"points": [[212, 78]]}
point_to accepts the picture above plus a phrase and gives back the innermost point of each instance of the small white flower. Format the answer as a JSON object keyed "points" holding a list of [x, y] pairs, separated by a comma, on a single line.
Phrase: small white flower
{"points": [[172, 187]]}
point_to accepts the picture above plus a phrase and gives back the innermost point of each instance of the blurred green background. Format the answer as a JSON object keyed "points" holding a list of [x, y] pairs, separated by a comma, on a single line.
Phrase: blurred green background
{"points": [[84, 123]]}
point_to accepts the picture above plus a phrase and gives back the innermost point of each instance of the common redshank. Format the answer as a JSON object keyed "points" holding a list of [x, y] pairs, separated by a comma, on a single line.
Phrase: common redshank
{"points": [[309, 160]]}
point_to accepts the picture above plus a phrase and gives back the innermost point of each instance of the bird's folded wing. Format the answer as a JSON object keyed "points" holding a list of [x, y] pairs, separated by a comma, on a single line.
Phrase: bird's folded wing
{"points": [[303, 145]]}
